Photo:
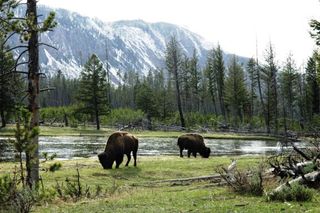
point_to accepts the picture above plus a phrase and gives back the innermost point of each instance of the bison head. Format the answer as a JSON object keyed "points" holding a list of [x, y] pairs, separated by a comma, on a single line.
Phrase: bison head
{"points": [[206, 152], [105, 161]]}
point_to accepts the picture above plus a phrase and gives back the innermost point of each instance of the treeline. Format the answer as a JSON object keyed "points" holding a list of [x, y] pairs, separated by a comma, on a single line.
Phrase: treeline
{"points": [[254, 96]]}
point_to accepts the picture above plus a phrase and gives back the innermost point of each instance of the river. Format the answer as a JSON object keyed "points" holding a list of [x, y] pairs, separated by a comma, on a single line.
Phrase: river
{"points": [[68, 147]]}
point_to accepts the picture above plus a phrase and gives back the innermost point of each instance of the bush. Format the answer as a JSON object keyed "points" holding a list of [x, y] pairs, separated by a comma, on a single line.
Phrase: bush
{"points": [[295, 192], [7, 186], [123, 116], [244, 182]]}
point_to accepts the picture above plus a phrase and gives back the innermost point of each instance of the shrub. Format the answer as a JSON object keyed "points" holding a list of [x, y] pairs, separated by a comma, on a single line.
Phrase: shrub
{"points": [[295, 192], [123, 116], [73, 189], [244, 182], [7, 186]]}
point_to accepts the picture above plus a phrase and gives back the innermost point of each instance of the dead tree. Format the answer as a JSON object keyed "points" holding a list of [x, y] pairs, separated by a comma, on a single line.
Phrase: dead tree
{"points": [[300, 165]]}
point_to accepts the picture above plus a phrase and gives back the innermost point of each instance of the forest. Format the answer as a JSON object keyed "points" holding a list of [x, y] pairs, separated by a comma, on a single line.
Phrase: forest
{"points": [[222, 95], [251, 98]]}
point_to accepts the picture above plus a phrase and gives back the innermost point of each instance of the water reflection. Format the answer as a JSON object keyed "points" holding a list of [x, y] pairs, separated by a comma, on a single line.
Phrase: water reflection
{"points": [[69, 147]]}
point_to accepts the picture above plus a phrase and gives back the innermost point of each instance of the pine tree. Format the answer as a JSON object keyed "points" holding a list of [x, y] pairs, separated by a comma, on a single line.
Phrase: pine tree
{"points": [[270, 71], [173, 62], [236, 95], [146, 101], [312, 88], [219, 69], [194, 81], [92, 92], [28, 28], [251, 69], [9, 86], [288, 81], [212, 78]]}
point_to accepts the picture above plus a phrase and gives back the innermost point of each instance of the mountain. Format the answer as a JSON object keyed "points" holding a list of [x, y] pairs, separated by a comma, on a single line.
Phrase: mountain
{"points": [[131, 45]]}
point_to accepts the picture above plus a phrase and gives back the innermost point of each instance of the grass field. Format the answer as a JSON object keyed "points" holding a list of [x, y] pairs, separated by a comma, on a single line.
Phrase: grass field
{"points": [[131, 189]]}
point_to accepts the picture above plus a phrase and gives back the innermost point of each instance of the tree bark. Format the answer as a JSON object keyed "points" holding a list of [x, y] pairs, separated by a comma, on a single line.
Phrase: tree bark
{"points": [[3, 119], [261, 100], [32, 156], [178, 92], [310, 177]]}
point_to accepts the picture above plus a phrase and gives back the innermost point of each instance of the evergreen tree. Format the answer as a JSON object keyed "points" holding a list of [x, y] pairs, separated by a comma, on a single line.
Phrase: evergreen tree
{"points": [[212, 78], [92, 92], [270, 79], [288, 81], [194, 81], [146, 101], [173, 62], [10, 86], [251, 69], [219, 70], [28, 28], [236, 95], [312, 88]]}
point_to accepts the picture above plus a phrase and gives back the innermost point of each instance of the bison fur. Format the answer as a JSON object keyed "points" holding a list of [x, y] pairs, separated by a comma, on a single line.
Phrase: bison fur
{"points": [[118, 145], [194, 144]]}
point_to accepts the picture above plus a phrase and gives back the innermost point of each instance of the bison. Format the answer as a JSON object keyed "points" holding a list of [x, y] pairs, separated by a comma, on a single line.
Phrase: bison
{"points": [[193, 143], [118, 144]]}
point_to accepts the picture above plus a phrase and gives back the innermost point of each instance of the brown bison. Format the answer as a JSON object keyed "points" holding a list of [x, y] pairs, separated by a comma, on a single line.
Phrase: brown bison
{"points": [[118, 145], [193, 143]]}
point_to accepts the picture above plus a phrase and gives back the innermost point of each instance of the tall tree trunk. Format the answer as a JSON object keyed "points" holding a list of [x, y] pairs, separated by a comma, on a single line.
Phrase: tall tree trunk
{"points": [[261, 101], [3, 119], [178, 92], [214, 102], [32, 156], [179, 100], [149, 122], [97, 120], [284, 116], [96, 113]]}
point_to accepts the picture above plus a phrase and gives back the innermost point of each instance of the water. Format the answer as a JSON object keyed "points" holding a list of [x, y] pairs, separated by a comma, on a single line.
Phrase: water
{"points": [[70, 147]]}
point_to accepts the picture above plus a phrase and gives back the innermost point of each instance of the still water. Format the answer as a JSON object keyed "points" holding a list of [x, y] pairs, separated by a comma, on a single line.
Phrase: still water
{"points": [[70, 147]]}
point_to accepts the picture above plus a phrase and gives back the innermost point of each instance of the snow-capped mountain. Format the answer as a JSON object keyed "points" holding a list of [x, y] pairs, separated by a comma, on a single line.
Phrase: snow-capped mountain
{"points": [[130, 45]]}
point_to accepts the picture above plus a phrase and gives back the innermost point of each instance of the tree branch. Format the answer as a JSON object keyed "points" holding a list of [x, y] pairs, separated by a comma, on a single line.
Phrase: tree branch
{"points": [[16, 47], [47, 89], [300, 152], [48, 45]]}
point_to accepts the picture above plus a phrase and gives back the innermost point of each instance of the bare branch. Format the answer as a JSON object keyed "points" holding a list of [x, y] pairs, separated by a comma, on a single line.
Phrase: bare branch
{"points": [[48, 45], [5, 41], [47, 89], [300, 152], [16, 47]]}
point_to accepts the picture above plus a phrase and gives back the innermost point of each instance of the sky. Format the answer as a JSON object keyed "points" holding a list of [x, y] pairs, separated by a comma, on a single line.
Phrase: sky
{"points": [[239, 26]]}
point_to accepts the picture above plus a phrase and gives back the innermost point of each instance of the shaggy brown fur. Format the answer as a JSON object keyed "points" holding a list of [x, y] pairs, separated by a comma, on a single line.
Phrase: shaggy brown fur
{"points": [[118, 145], [193, 143]]}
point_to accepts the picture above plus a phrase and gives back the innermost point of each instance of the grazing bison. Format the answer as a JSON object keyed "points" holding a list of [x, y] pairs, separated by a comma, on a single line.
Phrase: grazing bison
{"points": [[193, 143], [119, 144]]}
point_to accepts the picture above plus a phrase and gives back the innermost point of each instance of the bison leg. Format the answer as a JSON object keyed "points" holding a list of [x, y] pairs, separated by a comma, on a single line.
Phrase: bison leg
{"points": [[129, 158], [134, 153], [194, 154], [118, 162], [189, 153], [181, 149]]}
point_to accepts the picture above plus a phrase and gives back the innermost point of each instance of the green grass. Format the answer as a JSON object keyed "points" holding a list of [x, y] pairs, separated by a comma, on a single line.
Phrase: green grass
{"points": [[131, 189], [90, 131]]}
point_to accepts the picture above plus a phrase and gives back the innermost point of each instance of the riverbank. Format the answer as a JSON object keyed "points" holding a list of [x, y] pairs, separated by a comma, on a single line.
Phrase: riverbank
{"points": [[140, 189], [89, 131]]}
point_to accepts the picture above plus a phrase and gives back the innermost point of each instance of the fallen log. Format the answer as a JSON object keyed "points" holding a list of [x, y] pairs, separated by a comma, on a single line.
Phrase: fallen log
{"points": [[192, 179], [309, 178]]}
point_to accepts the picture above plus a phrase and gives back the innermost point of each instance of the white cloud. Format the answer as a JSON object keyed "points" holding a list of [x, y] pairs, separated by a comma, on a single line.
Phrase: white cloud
{"points": [[235, 24]]}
